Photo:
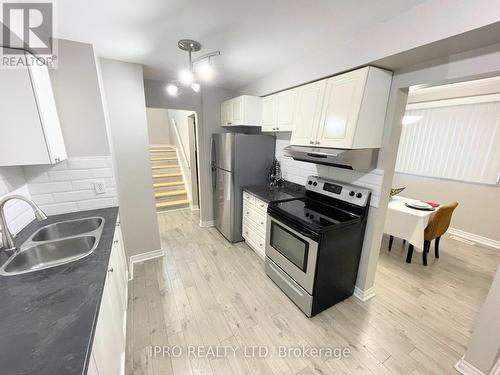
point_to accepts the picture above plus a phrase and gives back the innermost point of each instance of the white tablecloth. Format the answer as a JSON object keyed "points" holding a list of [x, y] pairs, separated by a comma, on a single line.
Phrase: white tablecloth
{"points": [[407, 223]]}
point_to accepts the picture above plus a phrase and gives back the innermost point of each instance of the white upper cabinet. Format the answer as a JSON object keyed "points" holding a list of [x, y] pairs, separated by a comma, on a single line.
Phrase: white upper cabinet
{"points": [[269, 113], [244, 110], [308, 113], [352, 113], [30, 132], [278, 111]]}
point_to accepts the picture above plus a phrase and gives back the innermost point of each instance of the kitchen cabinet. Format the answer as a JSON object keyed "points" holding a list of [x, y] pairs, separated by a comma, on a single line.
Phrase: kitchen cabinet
{"points": [[308, 113], [31, 131], [244, 110], [278, 111], [108, 350], [352, 114], [255, 223]]}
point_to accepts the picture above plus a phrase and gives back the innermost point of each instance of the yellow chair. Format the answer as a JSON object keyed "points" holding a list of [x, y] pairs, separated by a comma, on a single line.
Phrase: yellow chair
{"points": [[438, 225]]}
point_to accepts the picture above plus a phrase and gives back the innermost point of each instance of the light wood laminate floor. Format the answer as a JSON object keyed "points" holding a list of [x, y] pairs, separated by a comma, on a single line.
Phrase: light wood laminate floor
{"points": [[206, 291]]}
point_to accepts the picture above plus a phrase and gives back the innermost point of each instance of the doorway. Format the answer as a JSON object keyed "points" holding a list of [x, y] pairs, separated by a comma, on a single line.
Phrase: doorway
{"points": [[173, 142]]}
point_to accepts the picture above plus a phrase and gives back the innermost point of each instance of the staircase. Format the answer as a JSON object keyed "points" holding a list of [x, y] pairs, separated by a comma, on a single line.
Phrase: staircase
{"points": [[169, 188]]}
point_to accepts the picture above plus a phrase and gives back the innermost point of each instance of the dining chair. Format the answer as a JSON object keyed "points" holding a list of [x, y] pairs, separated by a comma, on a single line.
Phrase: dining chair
{"points": [[438, 225]]}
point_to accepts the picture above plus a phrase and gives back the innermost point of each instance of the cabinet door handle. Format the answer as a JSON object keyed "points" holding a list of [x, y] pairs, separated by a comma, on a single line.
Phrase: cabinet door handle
{"points": [[262, 223], [311, 142], [317, 142], [115, 241], [248, 213], [110, 269]]}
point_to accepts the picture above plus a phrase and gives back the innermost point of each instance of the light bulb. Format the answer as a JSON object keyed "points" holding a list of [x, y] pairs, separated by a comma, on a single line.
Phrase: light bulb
{"points": [[172, 90], [186, 77], [196, 87], [205, 71]]}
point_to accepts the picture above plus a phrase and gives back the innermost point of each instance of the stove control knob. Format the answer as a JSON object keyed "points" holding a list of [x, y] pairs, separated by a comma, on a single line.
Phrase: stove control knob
{"points": [[352, 193], [315, 183], [311, 216], [310, 182], [359, 195], [307, 214]]}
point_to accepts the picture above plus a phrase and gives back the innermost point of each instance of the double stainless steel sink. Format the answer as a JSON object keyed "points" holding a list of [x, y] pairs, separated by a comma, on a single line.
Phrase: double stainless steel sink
{"points": [[55, 244]]}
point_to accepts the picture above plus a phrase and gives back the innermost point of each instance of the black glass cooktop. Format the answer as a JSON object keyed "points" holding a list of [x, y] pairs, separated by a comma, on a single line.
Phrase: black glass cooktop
{"points": [[313, 214]]}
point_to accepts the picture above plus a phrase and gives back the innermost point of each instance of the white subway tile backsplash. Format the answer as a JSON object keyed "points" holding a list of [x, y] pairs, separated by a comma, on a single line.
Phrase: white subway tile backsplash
{"points": [[102, 172], [82, 184], [49, 187], [71, 184], [65, 187], [69, 175], [42, 199], [59, 208], [73, 196], [89, 163], [95, 203]]}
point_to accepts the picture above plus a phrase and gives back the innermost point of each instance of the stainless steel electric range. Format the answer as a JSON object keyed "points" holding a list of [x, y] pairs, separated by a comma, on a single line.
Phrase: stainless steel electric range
{"points": [[313, 244]]}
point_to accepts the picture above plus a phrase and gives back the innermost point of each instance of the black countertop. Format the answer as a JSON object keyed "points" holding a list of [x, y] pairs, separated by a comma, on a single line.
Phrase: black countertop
{"points": [[48, 317], [268, 193]]}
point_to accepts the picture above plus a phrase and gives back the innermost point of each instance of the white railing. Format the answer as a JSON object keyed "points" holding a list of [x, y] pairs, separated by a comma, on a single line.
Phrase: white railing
{"points": [[181, 145]]}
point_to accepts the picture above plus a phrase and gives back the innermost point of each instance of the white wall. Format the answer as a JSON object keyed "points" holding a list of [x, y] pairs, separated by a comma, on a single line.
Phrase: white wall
{"points": [[78, 100], [158, 127], [122, 85]]}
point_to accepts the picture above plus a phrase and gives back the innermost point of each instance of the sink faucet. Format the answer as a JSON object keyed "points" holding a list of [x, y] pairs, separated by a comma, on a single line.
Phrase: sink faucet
{"points": [[7, 237]]}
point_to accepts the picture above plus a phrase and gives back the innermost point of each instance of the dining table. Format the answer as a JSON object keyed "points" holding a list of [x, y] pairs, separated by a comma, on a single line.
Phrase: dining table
{"points": [[407, 223]]}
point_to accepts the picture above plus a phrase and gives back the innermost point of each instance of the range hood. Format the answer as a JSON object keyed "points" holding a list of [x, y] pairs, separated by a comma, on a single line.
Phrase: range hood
{"points": [[364, 159]]}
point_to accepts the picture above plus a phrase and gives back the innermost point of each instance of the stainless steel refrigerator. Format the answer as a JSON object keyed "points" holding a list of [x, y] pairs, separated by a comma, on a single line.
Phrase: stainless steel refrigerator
{"points": [[238, 160]]}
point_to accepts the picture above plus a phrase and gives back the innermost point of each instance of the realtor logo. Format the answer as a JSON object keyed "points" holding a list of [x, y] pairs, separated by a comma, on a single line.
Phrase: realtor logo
{"points": [[28, 26]]}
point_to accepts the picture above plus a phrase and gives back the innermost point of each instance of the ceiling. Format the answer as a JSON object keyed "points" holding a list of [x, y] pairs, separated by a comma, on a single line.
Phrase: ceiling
{"points": [[255, 37]]}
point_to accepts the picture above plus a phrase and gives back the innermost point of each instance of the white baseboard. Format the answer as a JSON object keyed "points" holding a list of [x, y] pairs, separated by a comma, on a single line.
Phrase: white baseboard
{"points": [[364, 295], [464, 367], [143, 257], [474, 238], [207, 223]]}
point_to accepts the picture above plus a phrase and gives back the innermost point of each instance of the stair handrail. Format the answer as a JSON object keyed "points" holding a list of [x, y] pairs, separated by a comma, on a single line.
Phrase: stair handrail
{"points": [[179, 141]]}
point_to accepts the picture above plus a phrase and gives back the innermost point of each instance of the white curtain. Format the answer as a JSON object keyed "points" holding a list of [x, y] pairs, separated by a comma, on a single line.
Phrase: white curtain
{"points": [[460, 142]]}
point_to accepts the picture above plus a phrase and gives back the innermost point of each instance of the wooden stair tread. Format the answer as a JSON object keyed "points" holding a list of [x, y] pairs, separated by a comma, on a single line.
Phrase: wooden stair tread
{"points": [[166, 184], [153, 150], [170, 193], [165, 166], [171, 203], [164, 158], [162, 175]]}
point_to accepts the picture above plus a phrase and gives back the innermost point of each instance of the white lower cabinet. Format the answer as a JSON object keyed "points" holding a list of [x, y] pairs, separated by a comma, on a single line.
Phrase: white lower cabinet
{"points": [[255, 223], [108, 350]]}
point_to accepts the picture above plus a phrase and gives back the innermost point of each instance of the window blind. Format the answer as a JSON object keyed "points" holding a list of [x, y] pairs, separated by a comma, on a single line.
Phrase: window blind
{"points": [[458, 142]]}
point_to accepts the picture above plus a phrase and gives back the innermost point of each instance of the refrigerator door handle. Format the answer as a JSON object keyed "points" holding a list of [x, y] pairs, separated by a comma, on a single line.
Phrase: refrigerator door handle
{"points": [[213, 155]]}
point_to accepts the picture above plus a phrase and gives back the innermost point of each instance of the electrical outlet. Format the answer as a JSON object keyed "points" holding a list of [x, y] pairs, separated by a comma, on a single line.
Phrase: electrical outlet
{"points": [[99, 187]]}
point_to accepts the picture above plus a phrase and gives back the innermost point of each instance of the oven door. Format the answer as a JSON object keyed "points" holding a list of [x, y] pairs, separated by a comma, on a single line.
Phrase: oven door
{"points": [[293, 252]]}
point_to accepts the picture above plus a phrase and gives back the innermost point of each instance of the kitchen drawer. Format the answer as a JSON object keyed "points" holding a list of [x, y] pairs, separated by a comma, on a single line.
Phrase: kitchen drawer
{"points": [[257, 242], [261, 205], [257, 217], [249, 225], [248, 197]]}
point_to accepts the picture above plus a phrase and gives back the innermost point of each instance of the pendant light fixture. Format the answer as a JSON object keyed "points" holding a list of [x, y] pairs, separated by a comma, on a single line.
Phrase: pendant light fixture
{"points": [[189, 76]]}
